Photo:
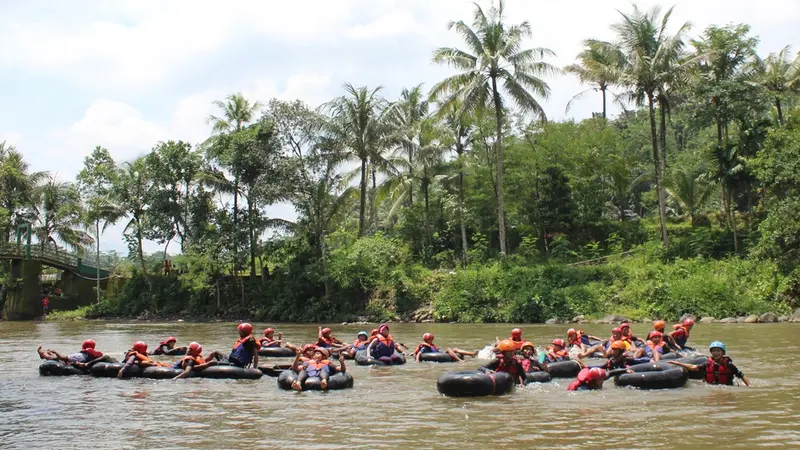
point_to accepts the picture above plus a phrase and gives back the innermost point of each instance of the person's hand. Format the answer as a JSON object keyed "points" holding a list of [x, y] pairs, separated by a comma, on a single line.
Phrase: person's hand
{"points": [[341, 357], [629, 371], [280, 335]]}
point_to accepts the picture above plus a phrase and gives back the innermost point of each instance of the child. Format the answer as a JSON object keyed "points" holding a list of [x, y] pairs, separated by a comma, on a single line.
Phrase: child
{"points": [[318, 366], [506, 361]]}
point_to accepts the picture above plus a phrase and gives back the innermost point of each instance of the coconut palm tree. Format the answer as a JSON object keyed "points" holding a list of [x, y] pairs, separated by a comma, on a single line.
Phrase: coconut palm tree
{"points": [[600, 65], [405, 117], [779, 74], [493, 68], [358, 124], [458, 132], [689, 191], [58, 215], [131, 197], [650, 53], [17, 186]]}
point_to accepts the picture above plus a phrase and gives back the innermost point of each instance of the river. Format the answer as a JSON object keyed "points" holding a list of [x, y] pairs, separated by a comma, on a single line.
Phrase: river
{"points": [[389, 407]]}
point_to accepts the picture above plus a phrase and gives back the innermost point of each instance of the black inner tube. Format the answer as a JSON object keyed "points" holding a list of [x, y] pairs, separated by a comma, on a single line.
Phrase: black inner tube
{"points": [[564, 369], [474, 384], [537, 377], [364, 359], [59, 369], [653, 376], [336, 381], [436, 357], [276, 352]]}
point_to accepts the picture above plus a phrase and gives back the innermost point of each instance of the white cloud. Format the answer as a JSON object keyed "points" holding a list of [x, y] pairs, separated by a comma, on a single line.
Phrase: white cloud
{"points": [[396, 23], [12, 138]]}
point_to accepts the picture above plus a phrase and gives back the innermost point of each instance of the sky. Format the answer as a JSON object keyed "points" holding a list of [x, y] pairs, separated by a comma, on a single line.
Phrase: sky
{"points": [[126, 74]]}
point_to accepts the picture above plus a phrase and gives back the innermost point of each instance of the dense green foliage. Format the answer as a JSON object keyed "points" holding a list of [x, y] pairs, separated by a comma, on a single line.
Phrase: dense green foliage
{"points": [[465, 203]]}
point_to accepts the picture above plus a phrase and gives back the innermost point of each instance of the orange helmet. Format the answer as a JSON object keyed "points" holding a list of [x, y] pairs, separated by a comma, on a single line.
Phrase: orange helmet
{"points": [[659, 325], [528, 344], [507, 346], [619, 345]]}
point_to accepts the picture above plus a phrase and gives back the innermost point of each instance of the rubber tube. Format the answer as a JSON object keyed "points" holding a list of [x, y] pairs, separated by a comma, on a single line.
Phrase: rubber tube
{"points": [[161, 373], [276, 352], [228, 372], [111, 370], [336, 381], [564, 369], [363, 359], [474, 384], [653, 377], [537, 377], [274, 371], [59, 369], [436, 357]]}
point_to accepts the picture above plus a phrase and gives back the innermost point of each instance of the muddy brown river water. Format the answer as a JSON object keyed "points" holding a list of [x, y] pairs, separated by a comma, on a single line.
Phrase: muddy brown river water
{"points": [[389, 407]]}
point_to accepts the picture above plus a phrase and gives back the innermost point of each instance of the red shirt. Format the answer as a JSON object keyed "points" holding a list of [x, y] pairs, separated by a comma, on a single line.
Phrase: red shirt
{"points": [[46, 301]]}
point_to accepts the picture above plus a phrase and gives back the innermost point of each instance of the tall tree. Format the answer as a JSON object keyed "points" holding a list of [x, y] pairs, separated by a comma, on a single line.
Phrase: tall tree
{"points": [[58, 215], [405, 117], [96, 181], [17, 186], [649, 50], [494, 66], [600, 65], [132, 195], [458, 129], [779, 73], [237, 112], [358, 123]]}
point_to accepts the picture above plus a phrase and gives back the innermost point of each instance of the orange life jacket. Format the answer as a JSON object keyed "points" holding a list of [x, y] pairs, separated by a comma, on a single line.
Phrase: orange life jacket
{"points": [[317, 366]]}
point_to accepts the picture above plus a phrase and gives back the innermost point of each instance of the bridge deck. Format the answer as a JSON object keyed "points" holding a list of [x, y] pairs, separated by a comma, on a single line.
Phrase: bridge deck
{"points": [[58, 258]]}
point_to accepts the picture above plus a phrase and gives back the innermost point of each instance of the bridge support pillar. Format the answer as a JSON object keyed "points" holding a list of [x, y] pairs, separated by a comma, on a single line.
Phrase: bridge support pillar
{"points": [[24, 296]]}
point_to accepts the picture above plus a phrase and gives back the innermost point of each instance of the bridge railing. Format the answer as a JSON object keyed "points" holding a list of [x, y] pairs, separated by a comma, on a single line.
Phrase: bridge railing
{"points": [[48, 254]]}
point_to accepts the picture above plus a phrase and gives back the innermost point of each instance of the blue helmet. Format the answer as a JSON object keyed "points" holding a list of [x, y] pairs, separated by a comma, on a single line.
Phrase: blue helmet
{"points": [[362, 332], [717, 344]]}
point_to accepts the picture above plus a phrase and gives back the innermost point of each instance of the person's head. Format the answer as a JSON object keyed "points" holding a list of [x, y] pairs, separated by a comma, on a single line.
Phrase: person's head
{"points": [[659, 325], [528, 349], [655, 336], [427, 338], [383, 330], [616, 333], [625, 327], [362, 335], [245, 329], [269, 332], [596, 377], [572, 334], [374, 332], [170, 341], [195, 349], [558, 344], [320, 354], [688, 324], [326, 332], [140, 347], [507, 348], [308, 350], [516, 334], [88, 344], [617, 349], [717, 349]]}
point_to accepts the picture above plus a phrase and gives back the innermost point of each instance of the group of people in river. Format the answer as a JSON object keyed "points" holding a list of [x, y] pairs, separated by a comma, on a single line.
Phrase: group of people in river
{"points": [[513, 355]]}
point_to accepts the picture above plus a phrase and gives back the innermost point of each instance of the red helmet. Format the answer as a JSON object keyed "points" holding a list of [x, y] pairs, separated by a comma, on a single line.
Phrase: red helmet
{"points": [[624, 325], [324, 351], [559, 342], [373, 332], [571, 331], [140, 347], [655, 333], [326, 331], [616, 330], [268, 331], [307, 347], [516, 333], [427, 337], [195, 349], [89, 343], [170, 339], [246, 328], [596, 373], [688, 323]]}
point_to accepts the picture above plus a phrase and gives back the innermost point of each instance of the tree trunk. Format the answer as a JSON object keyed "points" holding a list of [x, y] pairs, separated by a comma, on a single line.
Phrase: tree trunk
{"points": [[425, 192], [141, 252], [663, 139], [97, 258], [780, 111], [603, 90], [324, 258], [363, 200], [732, 219], [662, 204], [410, 176], [236, 224], [464, 245], [252, 233], [501, 223]]}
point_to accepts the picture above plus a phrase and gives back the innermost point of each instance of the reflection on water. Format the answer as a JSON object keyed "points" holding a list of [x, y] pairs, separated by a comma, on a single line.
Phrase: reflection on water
{"points": [[389, 407]]}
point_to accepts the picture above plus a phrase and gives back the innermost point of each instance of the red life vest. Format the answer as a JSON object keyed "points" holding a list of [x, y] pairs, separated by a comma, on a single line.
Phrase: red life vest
{"points": [[197, 360], [510, 368], [719, 372], [317, 366], [385, 340], [326, 341], [653, 346], [574, 385], [576, 340]]}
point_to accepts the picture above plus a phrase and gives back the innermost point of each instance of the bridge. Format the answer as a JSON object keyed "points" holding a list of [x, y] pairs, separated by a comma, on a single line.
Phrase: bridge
{"points": [[22, 292]]}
